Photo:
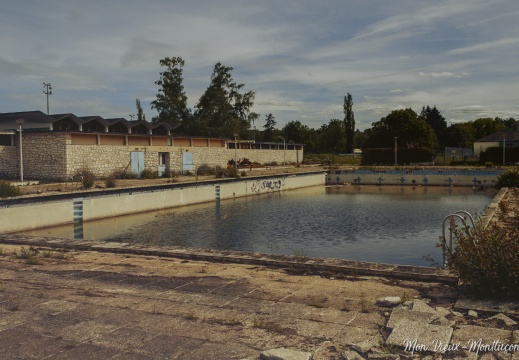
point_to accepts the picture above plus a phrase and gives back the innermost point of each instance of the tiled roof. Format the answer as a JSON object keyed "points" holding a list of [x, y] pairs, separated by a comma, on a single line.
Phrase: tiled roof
{"points": [[32, 120], [510, 136]]}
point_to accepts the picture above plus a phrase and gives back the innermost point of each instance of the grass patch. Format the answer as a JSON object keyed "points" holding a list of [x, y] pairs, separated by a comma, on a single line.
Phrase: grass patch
{"points": [[12, 305], [31, 255], [8, 190]]}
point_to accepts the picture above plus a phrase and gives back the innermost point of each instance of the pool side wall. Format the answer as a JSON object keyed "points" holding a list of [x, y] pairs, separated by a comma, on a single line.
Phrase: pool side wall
{"points": [[413, 178], [40, 213]]}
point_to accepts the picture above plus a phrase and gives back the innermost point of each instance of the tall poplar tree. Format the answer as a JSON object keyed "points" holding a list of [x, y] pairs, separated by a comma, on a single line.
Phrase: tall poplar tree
{"points": [[140, 113], [171, 102], [349, 123]]}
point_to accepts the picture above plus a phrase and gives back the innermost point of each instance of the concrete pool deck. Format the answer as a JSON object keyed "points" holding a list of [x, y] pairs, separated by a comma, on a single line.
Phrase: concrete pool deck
{"points": [[90, 300]]}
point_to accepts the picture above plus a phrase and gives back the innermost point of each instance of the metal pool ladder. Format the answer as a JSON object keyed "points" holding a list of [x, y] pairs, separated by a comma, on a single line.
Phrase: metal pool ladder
{"points": [[471, 231]]}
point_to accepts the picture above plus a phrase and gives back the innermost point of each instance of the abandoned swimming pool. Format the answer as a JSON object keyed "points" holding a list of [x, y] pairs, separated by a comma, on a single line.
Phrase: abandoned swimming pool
{"points": [[396, 225]]}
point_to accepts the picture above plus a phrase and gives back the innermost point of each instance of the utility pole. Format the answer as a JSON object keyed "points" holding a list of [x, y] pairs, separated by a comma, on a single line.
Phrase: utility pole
{"points": [[47, 91]]}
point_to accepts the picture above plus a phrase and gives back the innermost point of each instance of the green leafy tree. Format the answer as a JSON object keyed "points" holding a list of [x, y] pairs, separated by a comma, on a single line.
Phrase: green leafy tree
{"points": [[460, 135], [487, 126], [270, 124], [223, 110], [349, 124], [411, 130], [140, 113], [434, 118], [171, 102], [332, 136]]}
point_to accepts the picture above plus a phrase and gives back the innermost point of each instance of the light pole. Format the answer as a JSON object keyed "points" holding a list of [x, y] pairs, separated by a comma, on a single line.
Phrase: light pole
{"points": [[396, 151], [47, 91], [235, 150], [504, 147], [20, 121]]}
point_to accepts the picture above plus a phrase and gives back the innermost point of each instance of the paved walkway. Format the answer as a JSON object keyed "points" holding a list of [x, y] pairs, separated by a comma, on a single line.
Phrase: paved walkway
{"points": [[103, 305]]}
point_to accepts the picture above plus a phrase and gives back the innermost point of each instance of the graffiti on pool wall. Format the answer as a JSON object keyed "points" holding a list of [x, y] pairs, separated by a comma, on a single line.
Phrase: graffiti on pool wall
{"points": [[267, 185]]}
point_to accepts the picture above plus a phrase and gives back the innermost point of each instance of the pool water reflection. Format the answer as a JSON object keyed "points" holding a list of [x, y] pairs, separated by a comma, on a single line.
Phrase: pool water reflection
{"points": [[388, 224]]}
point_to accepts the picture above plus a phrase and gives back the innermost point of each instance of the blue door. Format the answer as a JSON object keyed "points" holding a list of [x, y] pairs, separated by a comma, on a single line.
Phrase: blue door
{"points": [[137, 162], [187, 162]]}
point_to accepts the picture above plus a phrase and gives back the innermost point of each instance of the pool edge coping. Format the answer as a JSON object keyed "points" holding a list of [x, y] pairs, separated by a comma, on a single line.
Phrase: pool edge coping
{"points": [[300, 264]]}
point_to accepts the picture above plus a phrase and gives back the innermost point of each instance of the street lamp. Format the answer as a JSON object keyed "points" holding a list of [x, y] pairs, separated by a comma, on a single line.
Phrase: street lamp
{"points": [[235, 149], [20, 121], [47, 91], [396, 151]]}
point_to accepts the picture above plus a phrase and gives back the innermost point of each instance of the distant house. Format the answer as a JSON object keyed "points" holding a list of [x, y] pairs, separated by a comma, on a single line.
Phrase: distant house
{"points": [[510, 138]]}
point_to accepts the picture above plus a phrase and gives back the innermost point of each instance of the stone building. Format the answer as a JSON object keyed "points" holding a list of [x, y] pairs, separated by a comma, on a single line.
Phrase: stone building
{"points": [[59, 146]]}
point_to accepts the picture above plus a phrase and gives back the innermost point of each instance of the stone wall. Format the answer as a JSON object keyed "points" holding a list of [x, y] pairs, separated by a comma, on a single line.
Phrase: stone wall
{"points": [[102, 160], [9, 162], [44, 155], [53, 156]]}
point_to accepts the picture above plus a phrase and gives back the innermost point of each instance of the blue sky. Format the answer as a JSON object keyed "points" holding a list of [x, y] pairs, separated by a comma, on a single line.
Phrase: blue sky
{"points": [[300, 57]]}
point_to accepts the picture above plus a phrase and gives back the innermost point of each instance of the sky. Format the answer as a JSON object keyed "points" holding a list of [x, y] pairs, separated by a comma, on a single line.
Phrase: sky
{"points": [[299, 57]]}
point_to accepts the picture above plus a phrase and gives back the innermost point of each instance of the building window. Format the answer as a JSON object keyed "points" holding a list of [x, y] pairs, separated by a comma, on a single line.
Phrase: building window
{"points": [[6, 140]]}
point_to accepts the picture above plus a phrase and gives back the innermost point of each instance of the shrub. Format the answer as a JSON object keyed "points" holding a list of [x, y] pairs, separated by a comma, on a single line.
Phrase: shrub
{"points": [[8, 190], [122, 174], [167, 174], [149, 174], [110, 182], [233, 173], [86, 177], [488, 263], [205, 169], [509, 178], [489, 164]]}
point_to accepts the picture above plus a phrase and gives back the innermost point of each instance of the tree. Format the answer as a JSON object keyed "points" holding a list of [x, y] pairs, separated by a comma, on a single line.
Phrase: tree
{"points": [[411, 130], [487, 126], [332, 136], [222, 110], [297, 132], [434, 118], [269, 126], [349, 124], [171, 102], [140, 113]]}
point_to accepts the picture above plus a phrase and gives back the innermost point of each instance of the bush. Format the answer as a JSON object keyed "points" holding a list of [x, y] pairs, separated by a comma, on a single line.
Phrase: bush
{"points": [[509, 178], [167, 174], [487, 265], [121, 174], [8, 190], [87, 178], [110, 182], [205, 169], [489, 164], [149, 174]]}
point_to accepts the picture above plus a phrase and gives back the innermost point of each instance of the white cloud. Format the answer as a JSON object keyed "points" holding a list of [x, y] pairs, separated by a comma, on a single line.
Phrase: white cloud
{"points": [[443, 74]]}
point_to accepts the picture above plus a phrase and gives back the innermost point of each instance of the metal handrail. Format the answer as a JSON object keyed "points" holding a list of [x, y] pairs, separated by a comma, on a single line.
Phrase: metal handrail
{"points": [[467, 229]]}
